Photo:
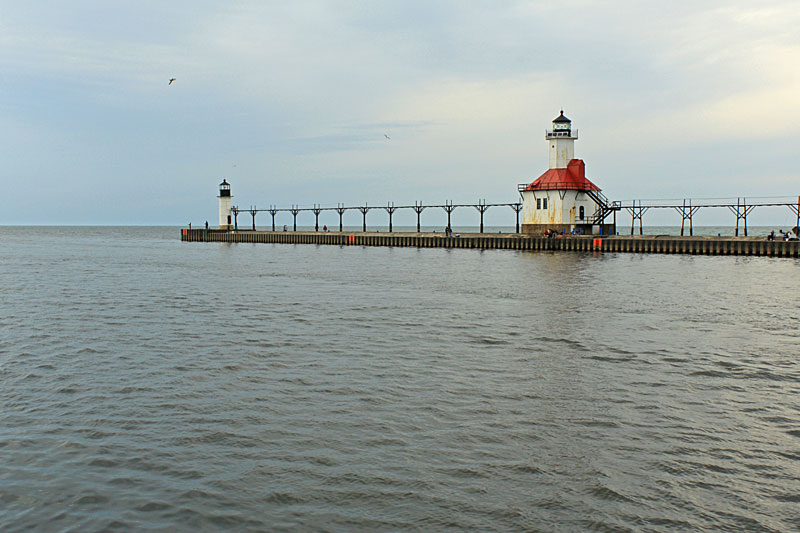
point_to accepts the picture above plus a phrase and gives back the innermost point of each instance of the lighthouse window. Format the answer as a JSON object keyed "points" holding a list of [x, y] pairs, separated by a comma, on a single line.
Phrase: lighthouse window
{"points": [[581, 213], [544, 203], [538, 203]]}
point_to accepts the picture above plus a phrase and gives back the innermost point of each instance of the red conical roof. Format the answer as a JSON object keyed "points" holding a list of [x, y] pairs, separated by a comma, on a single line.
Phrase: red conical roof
{"points": [[571, 178]]}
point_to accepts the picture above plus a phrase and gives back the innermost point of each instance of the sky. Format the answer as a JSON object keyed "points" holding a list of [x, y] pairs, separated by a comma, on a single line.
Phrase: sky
{"points": [[292, 103]]}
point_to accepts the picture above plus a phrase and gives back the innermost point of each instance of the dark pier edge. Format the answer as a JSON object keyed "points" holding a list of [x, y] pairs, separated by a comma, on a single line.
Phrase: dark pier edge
{"points": [[638, 244]]}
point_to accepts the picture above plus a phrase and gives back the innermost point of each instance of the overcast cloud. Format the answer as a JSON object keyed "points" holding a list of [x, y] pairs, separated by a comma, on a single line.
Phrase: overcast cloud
{"points": [[291, 101]]}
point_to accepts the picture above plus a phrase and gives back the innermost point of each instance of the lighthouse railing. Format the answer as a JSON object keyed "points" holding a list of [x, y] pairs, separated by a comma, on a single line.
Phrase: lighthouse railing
{"points": [[565, 134], [563, 186]]}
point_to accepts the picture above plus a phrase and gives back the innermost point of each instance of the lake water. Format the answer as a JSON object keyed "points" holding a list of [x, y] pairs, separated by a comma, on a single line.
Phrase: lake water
{"points": [[149, 384]]}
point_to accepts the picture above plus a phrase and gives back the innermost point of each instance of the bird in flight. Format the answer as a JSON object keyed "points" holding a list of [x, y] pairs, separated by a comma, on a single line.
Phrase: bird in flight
{"points": [[170, 81], [387, 136]]}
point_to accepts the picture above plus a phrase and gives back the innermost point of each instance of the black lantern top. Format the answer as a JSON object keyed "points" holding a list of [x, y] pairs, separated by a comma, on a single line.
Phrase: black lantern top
{"points": [[561, 118], [224, 188], [562, 126]]}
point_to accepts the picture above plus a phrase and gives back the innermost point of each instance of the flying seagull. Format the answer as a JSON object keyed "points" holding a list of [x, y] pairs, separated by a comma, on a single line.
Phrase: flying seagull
{"points": [[170, 81], [387, 136]]}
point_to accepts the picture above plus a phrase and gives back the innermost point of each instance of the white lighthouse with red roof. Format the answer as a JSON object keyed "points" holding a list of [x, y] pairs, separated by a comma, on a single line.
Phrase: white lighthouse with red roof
{"points": [[563, 199]]}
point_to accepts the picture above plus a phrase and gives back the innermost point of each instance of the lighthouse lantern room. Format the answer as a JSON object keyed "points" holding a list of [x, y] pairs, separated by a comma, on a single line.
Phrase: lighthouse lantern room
{"points": [[225, 212], [563, 199]]}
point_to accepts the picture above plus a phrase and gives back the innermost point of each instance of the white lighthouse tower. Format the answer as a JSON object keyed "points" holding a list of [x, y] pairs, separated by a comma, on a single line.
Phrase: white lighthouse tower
{"points": [[562, 142], [225, 212], [563, 199]]}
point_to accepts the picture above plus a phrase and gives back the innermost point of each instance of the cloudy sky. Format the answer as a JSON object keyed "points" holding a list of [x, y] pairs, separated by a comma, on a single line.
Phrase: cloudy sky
{"points": [[291, 102]]}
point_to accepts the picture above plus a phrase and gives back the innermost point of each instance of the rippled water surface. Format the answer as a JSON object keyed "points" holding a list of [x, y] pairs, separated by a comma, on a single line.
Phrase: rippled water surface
{"points": [[152, 384]]}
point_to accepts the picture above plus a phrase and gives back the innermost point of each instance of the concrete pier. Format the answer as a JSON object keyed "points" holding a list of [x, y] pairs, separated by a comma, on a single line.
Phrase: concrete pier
{"points": [[659, 244]]}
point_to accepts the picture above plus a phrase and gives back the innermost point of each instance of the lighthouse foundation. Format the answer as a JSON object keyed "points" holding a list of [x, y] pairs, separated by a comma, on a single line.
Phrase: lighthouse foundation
{"points": [[582, 229]]}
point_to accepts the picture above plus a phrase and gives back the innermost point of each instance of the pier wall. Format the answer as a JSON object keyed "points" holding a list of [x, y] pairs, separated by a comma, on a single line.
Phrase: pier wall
{"points": [[643, 244]]}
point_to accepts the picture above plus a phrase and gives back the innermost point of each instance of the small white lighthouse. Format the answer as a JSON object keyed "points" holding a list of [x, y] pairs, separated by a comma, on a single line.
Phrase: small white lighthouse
{"points": [[225, 213], [563, 199]]}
